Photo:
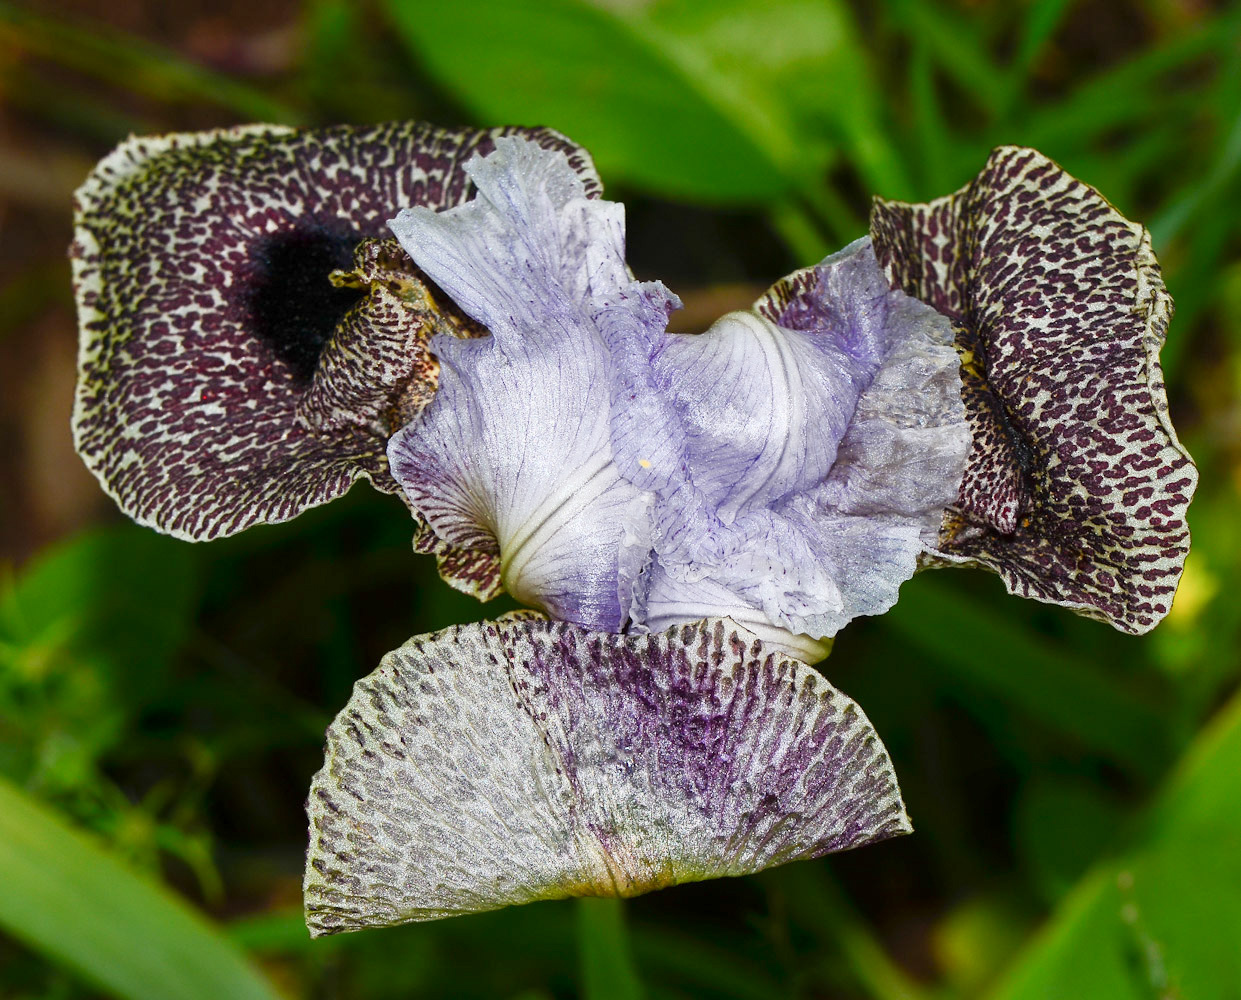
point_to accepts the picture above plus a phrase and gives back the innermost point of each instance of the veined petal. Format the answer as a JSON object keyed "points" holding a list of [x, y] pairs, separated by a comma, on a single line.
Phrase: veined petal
{"points": [[501, 763], [224, 380], [643, 475], [513, 455], [1077, 487], [841, 433]]}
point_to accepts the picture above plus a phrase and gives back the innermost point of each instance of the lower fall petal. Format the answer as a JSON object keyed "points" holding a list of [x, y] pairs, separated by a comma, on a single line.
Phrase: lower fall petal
{"points": [[501, 763]]}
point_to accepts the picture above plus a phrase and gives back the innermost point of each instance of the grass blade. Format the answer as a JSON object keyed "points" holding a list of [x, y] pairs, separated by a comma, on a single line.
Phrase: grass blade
{"points": [[817, 901], [137, 66], [64, 895], [957, 47], [1046, 681], [1038, 26]]}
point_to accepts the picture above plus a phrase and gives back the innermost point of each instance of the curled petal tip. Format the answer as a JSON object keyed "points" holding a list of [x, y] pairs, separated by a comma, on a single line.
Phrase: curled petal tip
{"points": [[501, 763], [1076, 487]]}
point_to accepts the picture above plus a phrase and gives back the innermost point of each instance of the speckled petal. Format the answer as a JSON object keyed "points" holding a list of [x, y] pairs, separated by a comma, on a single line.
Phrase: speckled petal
{"points": [[224, 381], [506, 762], [513, 456], [1077, 487]]}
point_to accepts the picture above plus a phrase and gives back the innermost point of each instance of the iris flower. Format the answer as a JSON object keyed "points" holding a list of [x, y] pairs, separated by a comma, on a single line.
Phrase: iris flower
{"points": [[694, 517]]}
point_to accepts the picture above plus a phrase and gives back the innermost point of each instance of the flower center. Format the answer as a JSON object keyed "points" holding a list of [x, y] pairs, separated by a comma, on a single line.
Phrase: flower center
{"points": [[527, 548]]}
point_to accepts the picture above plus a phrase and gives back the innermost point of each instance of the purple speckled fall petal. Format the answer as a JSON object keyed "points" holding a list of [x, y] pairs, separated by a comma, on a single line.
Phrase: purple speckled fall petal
{"points": [[505, 762], [224, 380], [1077, 487]]}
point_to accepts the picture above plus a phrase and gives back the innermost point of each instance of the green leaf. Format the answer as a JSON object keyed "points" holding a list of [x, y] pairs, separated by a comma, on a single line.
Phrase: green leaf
{"points": [[66, 896], [1141, 88], [137, 65], [805, 59], [712, 964], [816, 901], [607, 969], [87, 630], [957, 45], [1163, 920], [935, 138], [123, 595], [1037, 28], [723, 102], [1046, 807]]}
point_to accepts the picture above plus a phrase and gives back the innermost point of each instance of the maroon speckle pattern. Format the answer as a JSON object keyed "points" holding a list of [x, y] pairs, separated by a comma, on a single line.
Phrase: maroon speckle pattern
{"points": [[502, 762], [1076, 488], [188, 418]]}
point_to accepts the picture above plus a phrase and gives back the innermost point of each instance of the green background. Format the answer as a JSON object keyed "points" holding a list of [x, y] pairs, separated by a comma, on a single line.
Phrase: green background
{"points": [[1076, 792]]}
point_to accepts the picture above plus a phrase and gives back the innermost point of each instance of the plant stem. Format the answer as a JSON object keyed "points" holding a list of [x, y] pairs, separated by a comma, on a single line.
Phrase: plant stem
{"points": [[605, 961]]}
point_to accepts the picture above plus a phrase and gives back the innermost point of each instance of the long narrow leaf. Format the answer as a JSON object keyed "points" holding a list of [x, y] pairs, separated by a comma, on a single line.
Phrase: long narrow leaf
{"points": [[957, 45], [607, 968], [1134, 91], [137, 65], [1038, 26], [1048, 682], [66, 896]]}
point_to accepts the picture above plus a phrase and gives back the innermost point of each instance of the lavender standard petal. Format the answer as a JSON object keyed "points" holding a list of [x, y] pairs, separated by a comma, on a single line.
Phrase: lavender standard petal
{"points": [[821, 515], [514, 450], [679, 466], [496, 764]]}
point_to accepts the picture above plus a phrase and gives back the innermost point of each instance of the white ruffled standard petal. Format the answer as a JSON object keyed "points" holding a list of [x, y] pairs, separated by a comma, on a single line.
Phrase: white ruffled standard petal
{"points": [[514, 451], [629, 476], [842, 433], [505, 762]]}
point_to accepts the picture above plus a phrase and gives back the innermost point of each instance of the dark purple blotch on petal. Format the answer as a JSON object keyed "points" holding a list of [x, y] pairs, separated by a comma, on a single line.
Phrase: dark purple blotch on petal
{"points": [[287, 302], [225, 379], [1077, 487]]}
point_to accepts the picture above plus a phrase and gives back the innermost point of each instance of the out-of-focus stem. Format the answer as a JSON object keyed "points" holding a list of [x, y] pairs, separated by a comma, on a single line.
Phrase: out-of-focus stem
{"points": [[605, 960]]}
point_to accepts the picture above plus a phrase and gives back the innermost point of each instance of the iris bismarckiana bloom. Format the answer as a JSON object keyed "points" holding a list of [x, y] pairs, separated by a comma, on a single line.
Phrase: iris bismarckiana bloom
{"points": [[693, 511], [1077, 487], [250, 340]]}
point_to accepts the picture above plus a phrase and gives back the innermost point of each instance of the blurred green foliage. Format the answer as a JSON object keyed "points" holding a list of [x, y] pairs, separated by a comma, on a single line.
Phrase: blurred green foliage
{"points": [[1075, 790]]}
